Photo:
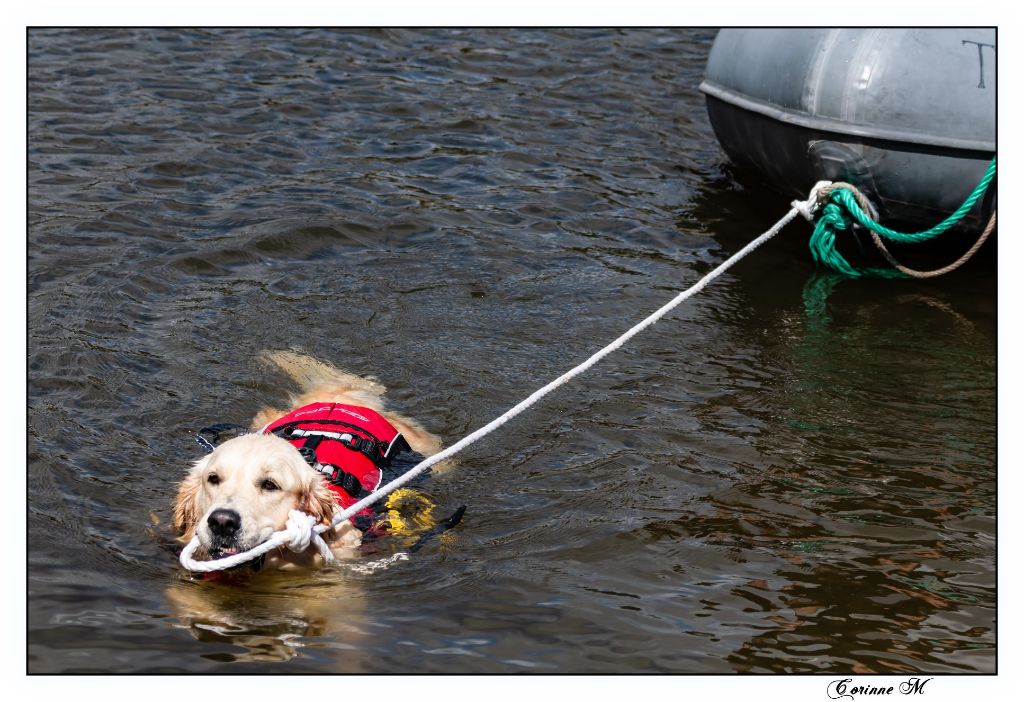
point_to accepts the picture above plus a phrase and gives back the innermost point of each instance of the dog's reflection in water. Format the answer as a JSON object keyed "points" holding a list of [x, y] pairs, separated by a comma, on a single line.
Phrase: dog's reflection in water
{"points": [[274, 615]]}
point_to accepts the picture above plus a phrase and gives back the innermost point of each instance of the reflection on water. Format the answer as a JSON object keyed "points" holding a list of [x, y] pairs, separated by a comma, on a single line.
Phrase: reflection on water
{"points": [[791, 473], [273, 617]]}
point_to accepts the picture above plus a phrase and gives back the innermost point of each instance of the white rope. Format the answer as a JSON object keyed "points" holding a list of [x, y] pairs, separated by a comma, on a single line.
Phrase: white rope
{"points": [[806, 208], [298, 534]]}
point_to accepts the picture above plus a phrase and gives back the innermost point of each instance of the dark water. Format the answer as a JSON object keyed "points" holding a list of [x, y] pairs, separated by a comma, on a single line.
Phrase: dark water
{"points": [[782, 476]]}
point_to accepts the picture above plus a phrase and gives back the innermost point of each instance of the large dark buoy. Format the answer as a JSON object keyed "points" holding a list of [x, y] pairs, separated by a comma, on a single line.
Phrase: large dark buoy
{"points": [[906, 115]]}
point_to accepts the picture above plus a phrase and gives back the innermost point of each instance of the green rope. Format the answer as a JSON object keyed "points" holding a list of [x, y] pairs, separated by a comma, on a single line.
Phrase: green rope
{"points": [[839, 213]]}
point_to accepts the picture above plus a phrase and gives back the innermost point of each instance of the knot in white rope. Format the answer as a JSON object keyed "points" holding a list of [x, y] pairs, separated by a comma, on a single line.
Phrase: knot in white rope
{"points": [[299, 532], [809, 206]]}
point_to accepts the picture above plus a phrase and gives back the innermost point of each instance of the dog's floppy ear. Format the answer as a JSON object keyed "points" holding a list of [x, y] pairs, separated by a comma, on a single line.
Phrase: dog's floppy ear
{"points": [[319, 500], [186, 511]]}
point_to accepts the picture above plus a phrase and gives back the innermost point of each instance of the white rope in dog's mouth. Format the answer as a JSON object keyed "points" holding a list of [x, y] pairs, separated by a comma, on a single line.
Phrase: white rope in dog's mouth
{"points": [[300, 533]]}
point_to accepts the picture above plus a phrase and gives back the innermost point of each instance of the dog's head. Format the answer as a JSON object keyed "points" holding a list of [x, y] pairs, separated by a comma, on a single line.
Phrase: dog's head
{"points": [[240, 494]]}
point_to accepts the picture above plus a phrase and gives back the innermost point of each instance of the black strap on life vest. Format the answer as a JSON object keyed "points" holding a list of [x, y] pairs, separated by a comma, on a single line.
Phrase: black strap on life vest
{"points": [[214, 431], [370, 446], [346, 481], [439, 528], [335, 475]]}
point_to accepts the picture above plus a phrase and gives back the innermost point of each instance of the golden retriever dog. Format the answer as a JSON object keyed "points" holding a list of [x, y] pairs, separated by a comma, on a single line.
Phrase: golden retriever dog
{"points": [[241, 493]]}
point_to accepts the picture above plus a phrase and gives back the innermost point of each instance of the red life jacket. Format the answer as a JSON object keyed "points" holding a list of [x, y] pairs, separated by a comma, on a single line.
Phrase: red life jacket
{"points": [[350, 445]]}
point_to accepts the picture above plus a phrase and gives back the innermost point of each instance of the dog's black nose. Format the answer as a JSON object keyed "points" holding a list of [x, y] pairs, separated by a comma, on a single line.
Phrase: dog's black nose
{"points": [[224, 522]]}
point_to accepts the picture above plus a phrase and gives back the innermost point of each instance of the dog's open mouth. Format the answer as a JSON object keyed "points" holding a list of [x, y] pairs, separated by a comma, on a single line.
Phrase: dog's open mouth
{"points": [[223, 551], [252, 566]]}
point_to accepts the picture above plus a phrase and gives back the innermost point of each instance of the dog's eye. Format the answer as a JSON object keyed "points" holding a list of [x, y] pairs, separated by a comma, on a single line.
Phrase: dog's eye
{"points": [[269, 485], [213, 479]]}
